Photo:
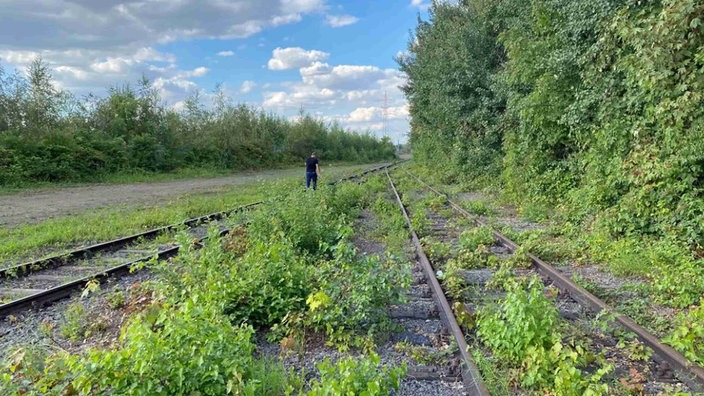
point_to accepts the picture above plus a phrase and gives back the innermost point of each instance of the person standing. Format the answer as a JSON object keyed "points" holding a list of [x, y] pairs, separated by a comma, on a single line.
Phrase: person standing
{"points": [[312, 171]]}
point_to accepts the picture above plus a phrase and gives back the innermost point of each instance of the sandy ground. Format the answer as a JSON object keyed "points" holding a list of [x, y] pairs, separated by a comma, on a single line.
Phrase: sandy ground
{"points": [[36, 205]]}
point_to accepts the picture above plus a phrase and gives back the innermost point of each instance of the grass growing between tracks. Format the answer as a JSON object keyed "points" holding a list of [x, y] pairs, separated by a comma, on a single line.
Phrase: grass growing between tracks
{"points": [[522, 343], [662, 277], [291, 271], [30, 241], [110, 223]]}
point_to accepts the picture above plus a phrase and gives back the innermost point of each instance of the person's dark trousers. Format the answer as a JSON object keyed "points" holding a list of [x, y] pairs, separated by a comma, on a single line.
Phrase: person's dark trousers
{"points": [[312, 176]]}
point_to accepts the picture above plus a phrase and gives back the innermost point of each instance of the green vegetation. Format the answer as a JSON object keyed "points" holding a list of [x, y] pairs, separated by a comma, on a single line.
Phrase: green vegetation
{"points": [[437, 251], [587, 114], [523, 332], [425, 355], [291, 271], [391, 226], [48, 135], [116, 299], [689, 334], [597, 105], [28, 241], [353, 376], [74, 323], [473, 238]]}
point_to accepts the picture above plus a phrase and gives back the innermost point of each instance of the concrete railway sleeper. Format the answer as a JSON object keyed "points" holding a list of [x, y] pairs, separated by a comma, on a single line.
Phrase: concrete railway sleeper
{"points": [[663, 372], [41, 282]]}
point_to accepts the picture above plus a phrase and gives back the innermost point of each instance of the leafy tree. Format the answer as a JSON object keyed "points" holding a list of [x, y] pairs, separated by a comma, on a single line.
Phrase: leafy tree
{"points": [[596, 105], [449, 66], [48, 135]]}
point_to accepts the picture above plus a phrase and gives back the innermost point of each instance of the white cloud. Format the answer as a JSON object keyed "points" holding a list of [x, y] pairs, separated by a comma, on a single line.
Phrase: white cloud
{"points": [[275, 99], [374, 113], [112, 65], [247, 87], [351, 95], [286, 19], [301, 96], [340, 20], [102, 24], [321, 84], [225, 53], [174, 83], [18, 58], [348, 77], [422, 4], [315, 69], [378, 126], [362, 114], [197, 72], [123, 63], [294, 57], [295, 6], [399, 112], [75, 72]]}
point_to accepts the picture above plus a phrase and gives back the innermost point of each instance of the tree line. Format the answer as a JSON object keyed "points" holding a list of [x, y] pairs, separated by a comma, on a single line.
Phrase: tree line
{"points": [[594, 106], [47, 134]]}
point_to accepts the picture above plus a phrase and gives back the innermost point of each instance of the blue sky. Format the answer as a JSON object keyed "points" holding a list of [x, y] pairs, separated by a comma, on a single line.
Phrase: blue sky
{"points": [[332, 58]]}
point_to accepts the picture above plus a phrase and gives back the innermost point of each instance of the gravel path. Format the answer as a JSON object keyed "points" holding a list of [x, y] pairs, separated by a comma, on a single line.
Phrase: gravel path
{"points": [[37, 205]]}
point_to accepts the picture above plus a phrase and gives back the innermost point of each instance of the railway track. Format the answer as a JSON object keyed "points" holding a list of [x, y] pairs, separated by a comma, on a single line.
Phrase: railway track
{"points": [[40, 282], [471, 378], [666, 365]]}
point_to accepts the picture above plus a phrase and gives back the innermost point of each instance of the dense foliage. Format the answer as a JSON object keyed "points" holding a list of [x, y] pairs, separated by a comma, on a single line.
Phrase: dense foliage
{"points": [[192, 332], [594, 104], [591, 112], [454, 110], [523, 333], [46, 134]]}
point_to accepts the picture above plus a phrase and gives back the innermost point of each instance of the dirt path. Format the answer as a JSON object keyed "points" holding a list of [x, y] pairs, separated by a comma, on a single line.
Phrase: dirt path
{"points": [[37, 205]]}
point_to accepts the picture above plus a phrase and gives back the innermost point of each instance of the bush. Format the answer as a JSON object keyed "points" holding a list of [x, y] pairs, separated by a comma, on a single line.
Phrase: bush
{"points": [[688, 336], [523, 331], [357, 377], [270, 281], [170, 351], [55, 137]]}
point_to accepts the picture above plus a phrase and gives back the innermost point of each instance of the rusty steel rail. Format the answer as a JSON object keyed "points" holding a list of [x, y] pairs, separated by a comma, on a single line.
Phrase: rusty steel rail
{"points": [[470, 373], [368, 171], [48, 296], [687, 371], [116, 244], [110, 246]]}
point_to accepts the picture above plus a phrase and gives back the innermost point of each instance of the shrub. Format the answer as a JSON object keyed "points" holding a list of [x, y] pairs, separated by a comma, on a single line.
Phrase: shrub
{"points": [[352, 376], [169, 351], [524, 331], [688, 336]]}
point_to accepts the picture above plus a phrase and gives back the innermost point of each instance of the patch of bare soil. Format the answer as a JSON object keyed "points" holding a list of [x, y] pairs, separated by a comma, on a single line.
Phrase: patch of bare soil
{"points": [[33, 206], [38, 205]]}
